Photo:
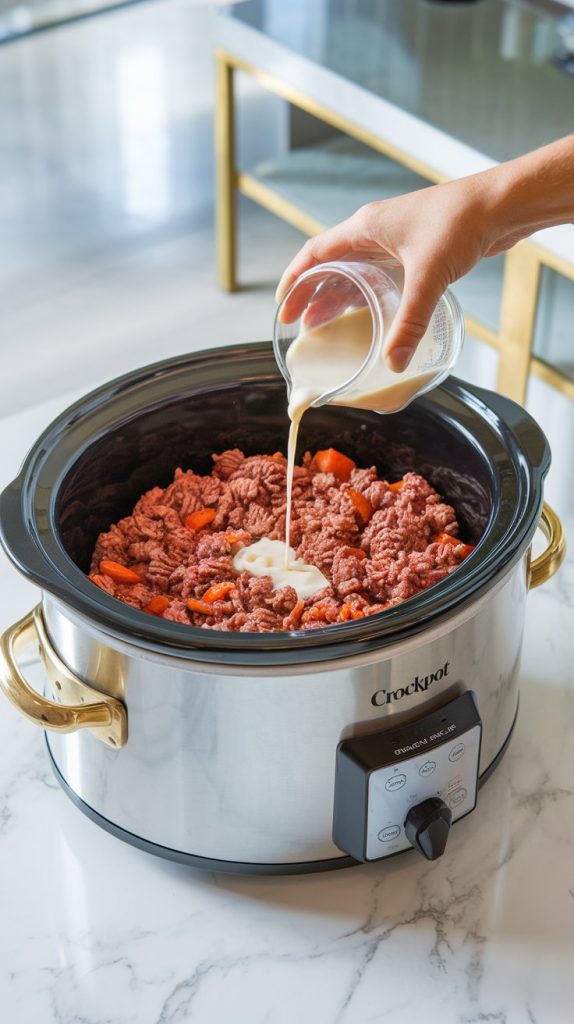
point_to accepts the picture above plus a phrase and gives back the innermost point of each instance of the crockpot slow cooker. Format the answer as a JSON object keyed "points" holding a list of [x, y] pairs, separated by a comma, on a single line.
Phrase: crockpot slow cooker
{"points": [[278, 752]]}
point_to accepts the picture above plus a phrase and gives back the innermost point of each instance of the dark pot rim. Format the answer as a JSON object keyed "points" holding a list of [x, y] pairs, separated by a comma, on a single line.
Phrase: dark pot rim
{"points": [[508, 439]]}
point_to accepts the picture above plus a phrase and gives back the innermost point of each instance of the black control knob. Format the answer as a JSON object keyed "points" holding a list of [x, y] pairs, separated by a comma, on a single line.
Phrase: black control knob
{"points": [[427, 826]]}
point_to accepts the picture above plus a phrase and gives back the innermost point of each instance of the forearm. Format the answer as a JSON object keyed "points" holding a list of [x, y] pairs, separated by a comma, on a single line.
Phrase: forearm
{"points": [[439, 233], [532, 192]]}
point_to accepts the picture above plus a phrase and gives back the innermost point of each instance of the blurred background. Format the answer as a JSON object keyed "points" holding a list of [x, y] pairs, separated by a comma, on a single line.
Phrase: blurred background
{"points": [[109, 115], [106, 201]]}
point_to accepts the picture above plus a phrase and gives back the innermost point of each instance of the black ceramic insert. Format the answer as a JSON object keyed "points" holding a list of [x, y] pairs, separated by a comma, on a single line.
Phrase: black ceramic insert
{"points": [[482, 452]]}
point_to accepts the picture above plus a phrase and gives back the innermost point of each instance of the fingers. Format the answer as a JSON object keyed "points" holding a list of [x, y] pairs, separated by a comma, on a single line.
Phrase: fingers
{"points": [[421, 293], [316, 304], [332, 299], [329, 245], [293, 307]]}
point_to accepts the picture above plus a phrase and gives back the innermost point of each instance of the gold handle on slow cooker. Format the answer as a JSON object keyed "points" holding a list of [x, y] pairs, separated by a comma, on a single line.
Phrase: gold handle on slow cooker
{"points": [[543, 567], [90, 709]]}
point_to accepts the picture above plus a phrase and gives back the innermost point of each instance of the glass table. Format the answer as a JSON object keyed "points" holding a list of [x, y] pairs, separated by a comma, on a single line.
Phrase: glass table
{"points": [[414, 92]]}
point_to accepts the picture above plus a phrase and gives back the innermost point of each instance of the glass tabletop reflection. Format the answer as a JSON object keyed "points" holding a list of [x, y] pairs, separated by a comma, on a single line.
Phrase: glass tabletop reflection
{"points": [[490, 73]]}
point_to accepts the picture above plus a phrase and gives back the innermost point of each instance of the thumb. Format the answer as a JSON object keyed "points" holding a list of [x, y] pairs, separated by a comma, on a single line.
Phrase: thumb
{"points": [[421, 293]]}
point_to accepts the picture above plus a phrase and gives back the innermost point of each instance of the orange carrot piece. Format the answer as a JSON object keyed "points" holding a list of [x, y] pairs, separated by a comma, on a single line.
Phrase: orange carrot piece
{"points": [[201, 518], [467, 549], [357, 553], [199, 606], [234, 538], [447, 538], [317, 611], [291, 621], [235, 541], [348, 612], [331, 461], [119, 573], [157, 605], [397, 486], [361, 504], [217, 591]]}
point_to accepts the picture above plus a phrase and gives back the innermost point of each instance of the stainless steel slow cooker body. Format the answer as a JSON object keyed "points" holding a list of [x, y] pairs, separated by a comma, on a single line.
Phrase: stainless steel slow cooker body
{"points": [[220, 749]]}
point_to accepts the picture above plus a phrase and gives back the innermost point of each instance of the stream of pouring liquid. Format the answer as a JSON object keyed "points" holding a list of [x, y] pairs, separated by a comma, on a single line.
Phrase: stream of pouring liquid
{"points": [[321, 359]]}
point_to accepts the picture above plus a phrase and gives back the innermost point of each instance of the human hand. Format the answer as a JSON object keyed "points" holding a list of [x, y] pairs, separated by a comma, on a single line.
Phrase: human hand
{"points": [[437, 234]]}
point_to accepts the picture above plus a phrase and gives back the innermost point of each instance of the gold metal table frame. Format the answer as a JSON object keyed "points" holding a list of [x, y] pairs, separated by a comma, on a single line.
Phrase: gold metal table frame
{"points": [[523, 263]]}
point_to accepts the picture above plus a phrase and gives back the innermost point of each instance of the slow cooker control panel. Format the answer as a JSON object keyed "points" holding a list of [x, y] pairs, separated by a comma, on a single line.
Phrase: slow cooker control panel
{"points": [[405, 787]]}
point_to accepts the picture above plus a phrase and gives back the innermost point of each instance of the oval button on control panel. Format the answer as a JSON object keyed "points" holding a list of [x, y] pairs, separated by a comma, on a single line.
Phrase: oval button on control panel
{"points": [[388, 833], [456, 752], [457, 798], [427, 768], [395, 782]]}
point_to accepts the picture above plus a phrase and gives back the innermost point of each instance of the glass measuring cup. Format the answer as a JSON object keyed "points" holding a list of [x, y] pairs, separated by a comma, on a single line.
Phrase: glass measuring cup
{"points": [[329, 333]]}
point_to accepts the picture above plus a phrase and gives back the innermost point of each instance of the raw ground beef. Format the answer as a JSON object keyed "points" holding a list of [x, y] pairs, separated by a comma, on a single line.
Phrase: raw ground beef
{"points": [[373, 560]]}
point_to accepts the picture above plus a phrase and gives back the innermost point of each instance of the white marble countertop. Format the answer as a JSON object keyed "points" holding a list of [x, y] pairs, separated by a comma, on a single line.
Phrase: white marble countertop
{"points": [[95, 932]]}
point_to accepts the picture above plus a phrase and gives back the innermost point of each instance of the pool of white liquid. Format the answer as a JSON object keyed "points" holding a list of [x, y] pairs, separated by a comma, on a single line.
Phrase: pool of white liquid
{"points": [[267, 558]]}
